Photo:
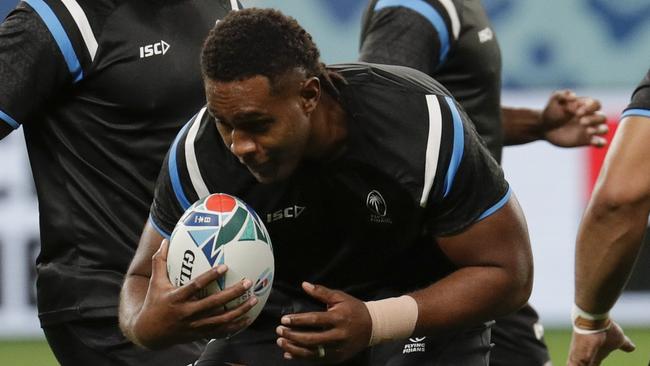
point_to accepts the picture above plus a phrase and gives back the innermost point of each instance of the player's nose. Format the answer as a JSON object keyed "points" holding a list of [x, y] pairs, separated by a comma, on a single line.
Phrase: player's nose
{"points": [[241, 144]]}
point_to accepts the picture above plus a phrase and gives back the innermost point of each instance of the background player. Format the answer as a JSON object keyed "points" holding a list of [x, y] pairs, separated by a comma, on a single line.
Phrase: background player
{"points": [[100, 88], [611, 234], [399, 197], [452, 41]]}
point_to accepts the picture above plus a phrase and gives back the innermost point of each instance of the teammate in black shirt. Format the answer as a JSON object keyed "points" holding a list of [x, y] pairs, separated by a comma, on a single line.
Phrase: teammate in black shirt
{"points": [[611, 234], [452, 40], [101, 88], [396, 196]]}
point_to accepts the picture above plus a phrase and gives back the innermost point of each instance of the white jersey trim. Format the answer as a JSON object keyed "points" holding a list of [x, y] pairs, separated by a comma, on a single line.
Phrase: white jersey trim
{"points": [[190, 157], [84, 26], [433, 147], [453, 15]]}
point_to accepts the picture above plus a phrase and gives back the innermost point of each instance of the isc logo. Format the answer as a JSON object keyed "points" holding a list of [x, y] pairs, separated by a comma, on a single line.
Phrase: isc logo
{"points": [[159, 48], [287, 213]]}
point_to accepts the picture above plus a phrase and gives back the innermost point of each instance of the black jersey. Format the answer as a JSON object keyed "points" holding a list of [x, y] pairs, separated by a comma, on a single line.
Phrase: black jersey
{"points": [[452, 41], [640, 103], [101, 88], [413, 170]]}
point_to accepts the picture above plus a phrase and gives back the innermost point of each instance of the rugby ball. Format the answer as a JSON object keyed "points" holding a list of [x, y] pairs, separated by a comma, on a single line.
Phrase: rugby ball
{"points": [[222, 229]]}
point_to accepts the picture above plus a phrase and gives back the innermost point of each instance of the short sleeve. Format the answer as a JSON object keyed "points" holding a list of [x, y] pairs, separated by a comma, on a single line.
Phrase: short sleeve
{"points": [[417, 34], [640, 103], [32, 68], [472, 185], [170, 199]]}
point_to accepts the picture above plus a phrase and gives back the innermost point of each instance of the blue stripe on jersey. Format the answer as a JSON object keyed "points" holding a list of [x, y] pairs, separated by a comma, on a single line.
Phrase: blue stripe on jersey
{"points": [[60, 36], [427, 11], [173, 170], [459, 145], [496, 206], [636, 112], [10, 121], [160, 231]]}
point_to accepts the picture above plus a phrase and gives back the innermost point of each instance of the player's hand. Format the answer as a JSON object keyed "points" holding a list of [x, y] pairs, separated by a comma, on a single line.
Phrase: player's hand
{"points": [[172, 314], [570, 121], [330, 336], [591, 349]]}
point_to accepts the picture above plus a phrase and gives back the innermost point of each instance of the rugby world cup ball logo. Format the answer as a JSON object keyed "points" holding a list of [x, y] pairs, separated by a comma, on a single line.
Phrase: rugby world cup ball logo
{"points": [[222, 229]]}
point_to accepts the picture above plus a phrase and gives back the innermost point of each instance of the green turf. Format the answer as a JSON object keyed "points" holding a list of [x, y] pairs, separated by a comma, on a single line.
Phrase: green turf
{"points": [[558, 344], [37, 353]]}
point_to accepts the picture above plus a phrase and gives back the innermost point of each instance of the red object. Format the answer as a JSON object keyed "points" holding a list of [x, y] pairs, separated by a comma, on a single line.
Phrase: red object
{"points": [[220, 203], [596, 156]]}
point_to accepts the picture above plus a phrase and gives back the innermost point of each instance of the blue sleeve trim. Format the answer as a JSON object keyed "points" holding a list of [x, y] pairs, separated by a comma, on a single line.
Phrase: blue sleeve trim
{"points": [[10, 121], [636, 112], [160, 231], [427, 11], [496, 206], [459, 145], [173, 171], [60, 36]]}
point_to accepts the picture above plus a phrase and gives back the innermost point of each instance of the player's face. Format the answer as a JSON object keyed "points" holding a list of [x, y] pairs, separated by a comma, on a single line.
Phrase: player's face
{"points": [[267, 132]]}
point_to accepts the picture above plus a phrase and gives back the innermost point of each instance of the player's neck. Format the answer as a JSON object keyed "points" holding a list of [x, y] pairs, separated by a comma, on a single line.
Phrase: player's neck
{"points": [[329, 129]]}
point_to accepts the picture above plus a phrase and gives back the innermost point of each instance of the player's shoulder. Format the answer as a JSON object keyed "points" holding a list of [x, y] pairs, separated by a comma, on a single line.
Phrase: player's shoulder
{"points": [[402, 121], [392, 78], [640, 101]]}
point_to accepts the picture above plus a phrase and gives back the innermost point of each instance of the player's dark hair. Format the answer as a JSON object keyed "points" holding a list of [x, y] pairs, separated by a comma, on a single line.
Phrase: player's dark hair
{"points": [[255, 41]]}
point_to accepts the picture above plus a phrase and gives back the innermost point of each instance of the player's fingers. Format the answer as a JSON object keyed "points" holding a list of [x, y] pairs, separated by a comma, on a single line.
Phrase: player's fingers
{"points": [[597, 141], [219, 299], [587, 105], [227, 317], [563, 96], [308, 338], [593, 119], [597, 130], [199, 283], [294, 351], [312, 320], [322, 293]]}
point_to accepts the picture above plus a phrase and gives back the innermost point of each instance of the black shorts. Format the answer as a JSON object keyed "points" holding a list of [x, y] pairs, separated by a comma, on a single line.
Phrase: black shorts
{"points": [[519, 340], [256, 347], [99, 342]]}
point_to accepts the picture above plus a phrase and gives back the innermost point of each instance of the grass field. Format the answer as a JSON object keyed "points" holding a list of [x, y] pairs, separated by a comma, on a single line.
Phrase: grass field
{"points": [[37, 353]]}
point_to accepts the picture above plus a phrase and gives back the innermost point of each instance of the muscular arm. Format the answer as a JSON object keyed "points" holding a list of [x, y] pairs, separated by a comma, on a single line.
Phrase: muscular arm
{"points": [[494, 277], [611, 232], [155, 314], [134, 289]]}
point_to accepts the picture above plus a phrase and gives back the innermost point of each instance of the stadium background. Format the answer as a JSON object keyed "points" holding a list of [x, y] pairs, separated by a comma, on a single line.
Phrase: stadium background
{"points": [[598, 47]]}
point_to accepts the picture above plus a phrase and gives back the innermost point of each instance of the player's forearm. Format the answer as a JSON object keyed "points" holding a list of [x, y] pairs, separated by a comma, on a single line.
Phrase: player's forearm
{"points": [[132, 298], [521, 125], [470, 296], [608, 243]]}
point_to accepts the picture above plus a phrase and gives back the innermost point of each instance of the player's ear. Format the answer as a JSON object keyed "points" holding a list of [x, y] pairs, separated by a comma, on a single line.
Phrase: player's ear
{"points": [[310, 94]]}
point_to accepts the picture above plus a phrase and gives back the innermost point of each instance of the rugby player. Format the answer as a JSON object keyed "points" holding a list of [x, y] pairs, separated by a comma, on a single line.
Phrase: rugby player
{"points": [[408, 229], [100, 88]]}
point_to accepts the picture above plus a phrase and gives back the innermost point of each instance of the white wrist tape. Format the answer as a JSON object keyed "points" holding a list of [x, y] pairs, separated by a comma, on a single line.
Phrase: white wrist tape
{"points": [[588, 323], [392, 318]]}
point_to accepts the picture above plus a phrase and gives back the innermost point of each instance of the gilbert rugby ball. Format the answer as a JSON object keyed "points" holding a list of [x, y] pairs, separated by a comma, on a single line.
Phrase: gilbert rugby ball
{"points": [[222, 229]]}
